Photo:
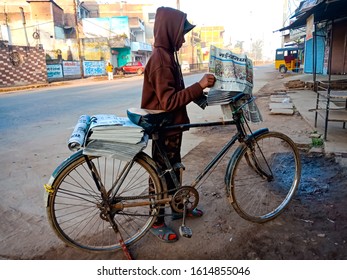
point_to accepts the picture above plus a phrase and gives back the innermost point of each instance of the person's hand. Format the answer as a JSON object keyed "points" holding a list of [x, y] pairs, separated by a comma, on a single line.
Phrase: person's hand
{"points": [[207, 81]]}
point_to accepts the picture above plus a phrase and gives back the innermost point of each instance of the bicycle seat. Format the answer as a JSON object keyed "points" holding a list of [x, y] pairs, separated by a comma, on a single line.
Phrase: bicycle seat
{"points": [[149, 120]]}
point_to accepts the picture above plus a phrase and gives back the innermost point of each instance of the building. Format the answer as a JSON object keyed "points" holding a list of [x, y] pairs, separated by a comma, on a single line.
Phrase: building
{"points": [[93, 32], [32, 23], [58, 27], [325, 25], [124, 26], [210, 35]]}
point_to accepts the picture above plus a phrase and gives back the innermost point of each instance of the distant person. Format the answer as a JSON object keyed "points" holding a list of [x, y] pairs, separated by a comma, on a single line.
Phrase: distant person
{"points": [[163, 89], [109, 70]]}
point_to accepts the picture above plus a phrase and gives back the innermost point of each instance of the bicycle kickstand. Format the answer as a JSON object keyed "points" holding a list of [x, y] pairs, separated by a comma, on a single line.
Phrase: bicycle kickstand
{"points": [[121, 241], [184, 230]]}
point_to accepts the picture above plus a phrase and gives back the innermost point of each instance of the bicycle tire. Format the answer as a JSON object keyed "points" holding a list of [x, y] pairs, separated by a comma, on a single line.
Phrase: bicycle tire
{"points": [[263, 176], [74, 205]]}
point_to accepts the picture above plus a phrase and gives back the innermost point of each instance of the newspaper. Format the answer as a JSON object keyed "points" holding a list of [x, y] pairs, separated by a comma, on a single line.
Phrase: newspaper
{"points": [[108, 135], [114, 128], [234, 74], [119, 150], [77, 138]]}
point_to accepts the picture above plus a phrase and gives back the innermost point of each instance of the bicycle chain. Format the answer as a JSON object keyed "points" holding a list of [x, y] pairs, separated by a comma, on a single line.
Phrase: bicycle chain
{"points": [[178, 197], [144, 196]]}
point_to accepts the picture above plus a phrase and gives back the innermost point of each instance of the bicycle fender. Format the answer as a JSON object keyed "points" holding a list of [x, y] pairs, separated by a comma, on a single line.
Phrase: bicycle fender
{"points": [[67, 162], [79, 154], [236, 155], [48, 187]]}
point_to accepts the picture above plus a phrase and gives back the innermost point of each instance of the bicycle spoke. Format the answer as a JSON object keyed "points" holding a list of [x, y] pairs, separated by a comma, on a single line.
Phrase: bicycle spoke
{"points": [[255, 197]]}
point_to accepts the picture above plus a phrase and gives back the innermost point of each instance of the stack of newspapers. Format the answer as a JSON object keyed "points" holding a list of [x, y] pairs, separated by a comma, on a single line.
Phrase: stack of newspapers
{"points": [[108, 135], [221, 97]]}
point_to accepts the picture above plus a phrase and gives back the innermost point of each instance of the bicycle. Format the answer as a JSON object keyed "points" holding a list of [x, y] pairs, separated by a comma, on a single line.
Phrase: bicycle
{"points": [[103, 204]]}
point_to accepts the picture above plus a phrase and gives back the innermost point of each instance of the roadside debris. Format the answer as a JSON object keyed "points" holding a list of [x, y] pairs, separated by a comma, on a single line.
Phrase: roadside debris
{"points": [[281, 103], [297, 84]]}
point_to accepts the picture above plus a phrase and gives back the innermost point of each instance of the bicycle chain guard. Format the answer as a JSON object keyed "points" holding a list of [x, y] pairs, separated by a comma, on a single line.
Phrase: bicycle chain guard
{"points": [[185, 195]]}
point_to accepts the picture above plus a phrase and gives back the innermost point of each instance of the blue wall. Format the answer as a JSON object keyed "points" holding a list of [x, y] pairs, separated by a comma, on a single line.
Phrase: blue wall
{"points": [[320, 47]]}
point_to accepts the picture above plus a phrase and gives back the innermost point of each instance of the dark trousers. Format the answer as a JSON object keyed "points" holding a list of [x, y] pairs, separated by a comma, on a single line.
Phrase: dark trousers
{"points": [[171, 145]]}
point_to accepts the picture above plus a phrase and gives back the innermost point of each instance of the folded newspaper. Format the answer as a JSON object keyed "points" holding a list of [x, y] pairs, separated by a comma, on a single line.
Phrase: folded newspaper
{"points": [[108, 135], [234, 74], [77, 138]]}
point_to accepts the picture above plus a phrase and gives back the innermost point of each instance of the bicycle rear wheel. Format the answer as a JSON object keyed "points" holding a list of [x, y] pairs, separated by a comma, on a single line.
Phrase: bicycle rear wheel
{"points": [[264, 176], [80, 214]]}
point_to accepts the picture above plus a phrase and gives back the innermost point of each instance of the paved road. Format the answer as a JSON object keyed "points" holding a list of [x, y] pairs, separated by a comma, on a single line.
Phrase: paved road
{"points": [[35, 126]]}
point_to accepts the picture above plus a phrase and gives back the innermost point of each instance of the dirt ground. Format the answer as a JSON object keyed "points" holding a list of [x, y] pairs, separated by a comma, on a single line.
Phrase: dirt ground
{"points": [[313, 227]]}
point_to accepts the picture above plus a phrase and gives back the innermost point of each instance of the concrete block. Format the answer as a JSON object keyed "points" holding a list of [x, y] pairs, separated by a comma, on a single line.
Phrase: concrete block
{"points": [[281, 106], [282, 111]]}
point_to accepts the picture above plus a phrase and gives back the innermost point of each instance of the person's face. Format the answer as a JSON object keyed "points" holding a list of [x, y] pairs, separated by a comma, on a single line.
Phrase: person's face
{"points": [[180, 42]]}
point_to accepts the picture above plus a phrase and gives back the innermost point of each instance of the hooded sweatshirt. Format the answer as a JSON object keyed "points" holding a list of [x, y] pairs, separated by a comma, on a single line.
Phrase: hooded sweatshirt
{"points": [[163, 87]]}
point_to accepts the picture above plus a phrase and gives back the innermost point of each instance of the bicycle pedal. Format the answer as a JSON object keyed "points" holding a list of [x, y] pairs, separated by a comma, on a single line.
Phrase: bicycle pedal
{"points": [[186, 231]]}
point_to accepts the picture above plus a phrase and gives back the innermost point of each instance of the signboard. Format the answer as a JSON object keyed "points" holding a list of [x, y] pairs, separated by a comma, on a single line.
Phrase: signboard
{"points": [[71, 68], [296, 34], [140, 46], [54, 71], [96, 27], [94, 68], [119, 26], [106, 27], [309, 27]]}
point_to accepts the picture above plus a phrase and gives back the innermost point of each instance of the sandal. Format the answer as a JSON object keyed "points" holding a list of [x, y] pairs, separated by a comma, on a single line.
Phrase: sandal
{"points": [[164, 233], [195, 213]]}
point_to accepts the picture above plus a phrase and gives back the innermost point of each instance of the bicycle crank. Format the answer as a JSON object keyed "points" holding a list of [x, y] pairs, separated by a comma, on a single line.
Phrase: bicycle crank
{"points": [[184, 200]]}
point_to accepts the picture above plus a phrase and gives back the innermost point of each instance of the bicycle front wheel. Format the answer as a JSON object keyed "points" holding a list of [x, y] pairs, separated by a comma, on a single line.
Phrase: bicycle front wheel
{"points": [[264, 175], [84, 217]]}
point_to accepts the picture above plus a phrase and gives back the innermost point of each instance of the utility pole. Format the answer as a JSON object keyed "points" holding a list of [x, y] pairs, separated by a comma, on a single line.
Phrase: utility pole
{"points": [[178, 4], [8, 30], [285, 18], [24, 25], [78, 38]]}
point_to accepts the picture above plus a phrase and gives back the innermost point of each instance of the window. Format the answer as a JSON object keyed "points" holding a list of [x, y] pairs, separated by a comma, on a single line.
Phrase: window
{"points": [[151, 17]]}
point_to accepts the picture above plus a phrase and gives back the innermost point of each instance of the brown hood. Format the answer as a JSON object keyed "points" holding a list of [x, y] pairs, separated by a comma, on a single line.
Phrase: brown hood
{"points": [[168, 27]]}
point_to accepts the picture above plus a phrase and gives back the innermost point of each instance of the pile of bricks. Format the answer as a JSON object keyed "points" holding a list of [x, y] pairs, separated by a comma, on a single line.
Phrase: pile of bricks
{"points": [[297, 84]]}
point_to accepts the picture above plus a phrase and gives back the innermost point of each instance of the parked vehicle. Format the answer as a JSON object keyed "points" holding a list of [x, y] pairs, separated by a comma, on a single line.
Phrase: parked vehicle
{"points": [[131, 68], [185, 66], [288, 59]]}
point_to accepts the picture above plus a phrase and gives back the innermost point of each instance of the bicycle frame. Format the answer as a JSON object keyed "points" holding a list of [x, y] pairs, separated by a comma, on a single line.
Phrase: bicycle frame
{"points": [[239, 135], [212, 163], [238, 120]]}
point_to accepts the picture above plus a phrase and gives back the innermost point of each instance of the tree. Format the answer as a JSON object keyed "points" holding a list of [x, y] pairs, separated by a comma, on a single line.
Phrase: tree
{"points": [[257, 50], [238, 47]]}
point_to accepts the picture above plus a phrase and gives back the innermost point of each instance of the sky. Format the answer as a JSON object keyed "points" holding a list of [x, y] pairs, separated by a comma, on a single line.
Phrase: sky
{"points": [[243, 20]]}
